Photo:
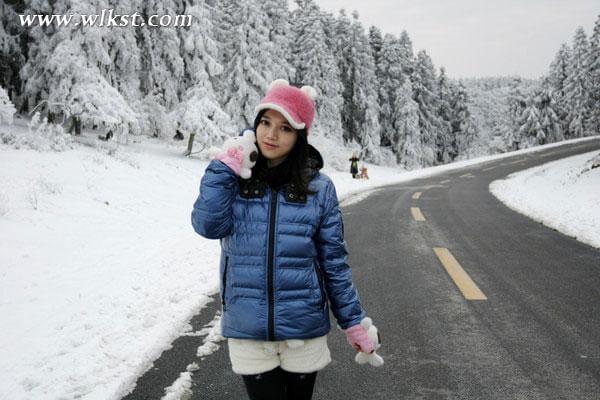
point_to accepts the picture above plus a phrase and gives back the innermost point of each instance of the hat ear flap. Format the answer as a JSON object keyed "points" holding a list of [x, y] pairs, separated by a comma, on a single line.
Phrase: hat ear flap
{"points": [[278, 82], [310, 91]]}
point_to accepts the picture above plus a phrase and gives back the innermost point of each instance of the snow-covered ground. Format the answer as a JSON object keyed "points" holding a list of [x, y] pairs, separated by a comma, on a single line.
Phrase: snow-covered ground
{"points": [[101, 269], [563, 194]]}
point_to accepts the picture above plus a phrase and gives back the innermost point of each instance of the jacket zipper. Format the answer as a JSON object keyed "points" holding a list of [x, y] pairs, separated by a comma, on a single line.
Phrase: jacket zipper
{"points": [[224, 281], [270, 266], [319, 278]]}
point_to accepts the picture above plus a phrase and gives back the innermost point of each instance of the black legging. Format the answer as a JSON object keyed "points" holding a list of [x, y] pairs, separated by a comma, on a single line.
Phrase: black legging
{"points": [[278, 384]]}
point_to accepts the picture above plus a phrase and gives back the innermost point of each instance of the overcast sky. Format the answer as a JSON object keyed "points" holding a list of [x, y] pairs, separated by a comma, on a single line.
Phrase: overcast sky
{"points": [[479, 37]]}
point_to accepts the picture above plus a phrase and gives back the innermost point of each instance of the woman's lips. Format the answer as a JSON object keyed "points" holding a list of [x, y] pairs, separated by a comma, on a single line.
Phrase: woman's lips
{"points": [[270, 146]]}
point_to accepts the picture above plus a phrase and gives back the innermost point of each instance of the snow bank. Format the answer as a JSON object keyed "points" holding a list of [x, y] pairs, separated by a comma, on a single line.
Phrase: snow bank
{"points": [[563, 194]]}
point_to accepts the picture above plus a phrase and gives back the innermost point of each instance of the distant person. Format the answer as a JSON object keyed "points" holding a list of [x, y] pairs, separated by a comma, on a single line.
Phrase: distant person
{"points": [[283, 258], [354, 164]]}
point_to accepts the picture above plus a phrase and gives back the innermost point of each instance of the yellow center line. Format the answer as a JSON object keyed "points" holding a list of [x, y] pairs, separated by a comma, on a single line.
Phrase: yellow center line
{"points": [[487, 169], [445, 181], [417, 214], [416, 195], [467, 175], [462, 280]]}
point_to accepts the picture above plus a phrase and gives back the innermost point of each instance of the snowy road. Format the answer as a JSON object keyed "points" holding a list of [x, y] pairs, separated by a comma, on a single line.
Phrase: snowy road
{"points": [[534, 336]]}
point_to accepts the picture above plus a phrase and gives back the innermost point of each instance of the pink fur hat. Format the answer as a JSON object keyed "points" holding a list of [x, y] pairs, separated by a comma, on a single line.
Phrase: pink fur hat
{"points": [[297, 105]]}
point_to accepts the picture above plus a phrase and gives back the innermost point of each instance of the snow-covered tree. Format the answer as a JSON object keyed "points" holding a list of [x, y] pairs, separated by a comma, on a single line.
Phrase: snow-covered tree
{"points": [[199, 115], [549, 119], [411, 152], [593, 64], [577, 95], [446, 135], [376, 42], [7, 108], [66, 69], [391, 79], [539, 122], [559, 72], [281, 34], [531, 131], [406, 54], [247, 58], [463, 128], [12, 36], [423, 85], [124, 70], [517, 102], [488, 101], [360, 113], [162, 67], [316, 66], [365, 94], [343, 52]]}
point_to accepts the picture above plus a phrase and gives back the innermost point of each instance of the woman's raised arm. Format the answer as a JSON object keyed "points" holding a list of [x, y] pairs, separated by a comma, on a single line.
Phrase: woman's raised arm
{"points": [[212, 214]]}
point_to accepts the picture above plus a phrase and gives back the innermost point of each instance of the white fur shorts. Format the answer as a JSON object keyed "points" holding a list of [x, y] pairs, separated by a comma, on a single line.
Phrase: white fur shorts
{"points": [[250, 357]]}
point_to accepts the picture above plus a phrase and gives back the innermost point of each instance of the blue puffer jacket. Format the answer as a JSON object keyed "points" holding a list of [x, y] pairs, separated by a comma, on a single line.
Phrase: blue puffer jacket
{"points": [[283, 256]]}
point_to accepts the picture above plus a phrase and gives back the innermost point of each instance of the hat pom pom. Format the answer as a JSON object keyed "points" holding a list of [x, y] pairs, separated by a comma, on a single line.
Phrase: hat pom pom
{"points": [[278, 82], [310, 91]]}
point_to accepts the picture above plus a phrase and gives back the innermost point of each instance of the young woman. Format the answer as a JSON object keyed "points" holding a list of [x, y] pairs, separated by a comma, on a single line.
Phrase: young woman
{"points": [[283, 258]]}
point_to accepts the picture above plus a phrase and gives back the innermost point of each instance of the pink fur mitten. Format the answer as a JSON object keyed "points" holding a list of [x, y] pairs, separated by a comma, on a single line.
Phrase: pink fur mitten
{"points": [[372, 358], [358, 338], [240, 153]]}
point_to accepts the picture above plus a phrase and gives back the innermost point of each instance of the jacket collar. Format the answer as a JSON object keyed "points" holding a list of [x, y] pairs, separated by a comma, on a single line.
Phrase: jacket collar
{"points": [[255, 187]]}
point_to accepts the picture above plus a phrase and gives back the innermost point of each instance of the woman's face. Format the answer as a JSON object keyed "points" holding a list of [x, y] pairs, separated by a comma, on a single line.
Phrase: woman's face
{"points": [[273, 129]]}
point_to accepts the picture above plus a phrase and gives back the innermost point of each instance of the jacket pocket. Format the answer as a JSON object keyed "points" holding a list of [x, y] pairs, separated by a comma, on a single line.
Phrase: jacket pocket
{"points": [[320, 279], [224, 282]]}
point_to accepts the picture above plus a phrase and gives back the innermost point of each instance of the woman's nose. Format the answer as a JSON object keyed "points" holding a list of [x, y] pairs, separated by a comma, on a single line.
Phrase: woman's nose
{"points": [[272, 132]]}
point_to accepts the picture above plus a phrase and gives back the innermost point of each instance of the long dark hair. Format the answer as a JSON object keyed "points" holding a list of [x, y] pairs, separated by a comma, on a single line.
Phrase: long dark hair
{"points": [[296, 159]]}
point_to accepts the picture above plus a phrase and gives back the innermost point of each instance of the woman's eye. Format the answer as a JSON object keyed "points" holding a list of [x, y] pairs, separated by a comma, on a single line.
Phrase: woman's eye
{"points": [[264, 122], [287, 128]]}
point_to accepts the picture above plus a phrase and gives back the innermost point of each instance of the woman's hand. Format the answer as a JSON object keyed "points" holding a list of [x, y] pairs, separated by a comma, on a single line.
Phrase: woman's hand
{"points": [[240, 154], [358, 338]]}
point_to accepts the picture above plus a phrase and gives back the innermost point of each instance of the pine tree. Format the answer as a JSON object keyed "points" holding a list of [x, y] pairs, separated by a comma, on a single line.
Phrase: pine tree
{"points": [[199, 115], [593, 64], [248, 58], [407, 54], [444, 137], [376, 43], [576, 88], [360, 111], [559, 71], [549, 119], [13, 47], [390, 78], [7, 108], [531, 131], [539, 122], [462, 124], [364, 97], [162, 67], [67, 68], [423, 84], [281, 35], [344, 55], [410, 151], [316, 66], [517, 103]]}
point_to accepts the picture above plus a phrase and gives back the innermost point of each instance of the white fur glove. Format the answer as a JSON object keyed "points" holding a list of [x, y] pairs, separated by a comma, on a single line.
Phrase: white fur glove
{"points": [[240, 153], [372, 358]]}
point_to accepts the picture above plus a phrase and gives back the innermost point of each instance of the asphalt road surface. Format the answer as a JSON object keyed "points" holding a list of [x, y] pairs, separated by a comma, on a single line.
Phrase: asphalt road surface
{"points": [[474, 301]]}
